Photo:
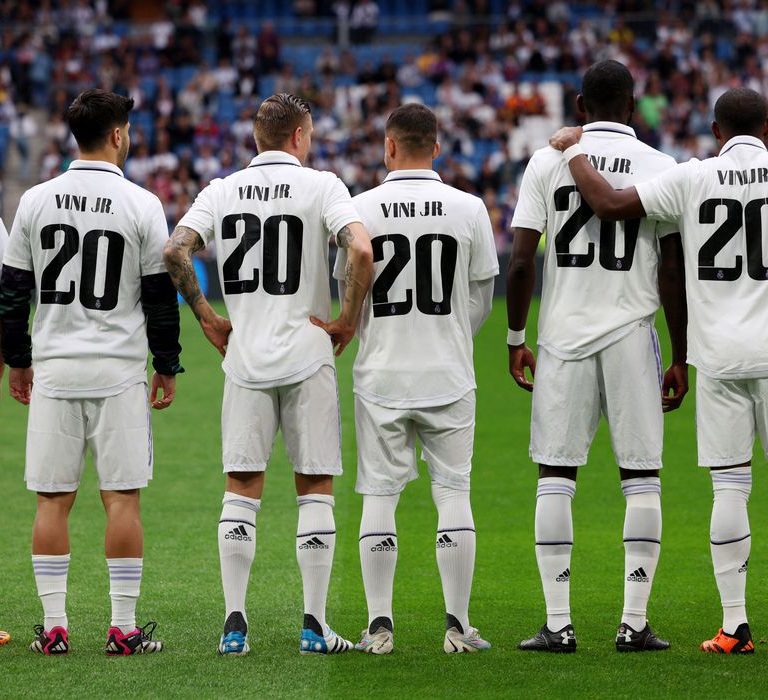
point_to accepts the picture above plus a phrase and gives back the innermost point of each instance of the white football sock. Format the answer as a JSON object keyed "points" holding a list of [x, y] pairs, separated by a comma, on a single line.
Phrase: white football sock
{"points": [[642, 544], [554, 542], [378, 553], [51, 577], [124, 588], [315, 542], [730, 541], [455, 550], [237, 548]]}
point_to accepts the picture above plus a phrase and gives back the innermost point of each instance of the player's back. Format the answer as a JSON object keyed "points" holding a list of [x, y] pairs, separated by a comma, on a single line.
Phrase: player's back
{"points": [[271, 226], [725, 243], [429, 242], [89, 235], [599, 277]]}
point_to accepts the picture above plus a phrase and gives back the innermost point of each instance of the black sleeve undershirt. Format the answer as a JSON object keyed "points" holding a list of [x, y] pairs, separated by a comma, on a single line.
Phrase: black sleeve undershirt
{"points": [[161, 308], [16, 287]]}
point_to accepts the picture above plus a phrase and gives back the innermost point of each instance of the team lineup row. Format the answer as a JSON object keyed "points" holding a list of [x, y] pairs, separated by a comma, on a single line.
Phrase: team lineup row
{"points": [[96, 249]]}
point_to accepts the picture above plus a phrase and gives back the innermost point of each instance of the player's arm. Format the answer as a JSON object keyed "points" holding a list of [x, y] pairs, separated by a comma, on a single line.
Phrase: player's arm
{"points": [[161, 309], [181, 246], [358, 272], [672, 292], [607, 203], [16, 287], [521, 278]]}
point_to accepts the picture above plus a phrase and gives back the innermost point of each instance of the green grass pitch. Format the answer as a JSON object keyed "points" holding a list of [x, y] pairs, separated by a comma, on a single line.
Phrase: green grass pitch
{"points": [[181, 587]]}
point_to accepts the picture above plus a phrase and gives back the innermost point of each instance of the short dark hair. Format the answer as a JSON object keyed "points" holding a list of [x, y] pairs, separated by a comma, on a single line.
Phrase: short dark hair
{"points": [[277, 118], [414, 127], [94, 113], [607, 86], [741, 111]]}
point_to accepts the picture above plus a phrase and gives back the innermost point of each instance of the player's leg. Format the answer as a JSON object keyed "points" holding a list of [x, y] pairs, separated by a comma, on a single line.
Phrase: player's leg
{"points": [[50, 561], [249, 421], [54, 464], [725, 431], [630, 375], [564, 416], [120, 437], [447, 438], [309, 418], [385, 464]]}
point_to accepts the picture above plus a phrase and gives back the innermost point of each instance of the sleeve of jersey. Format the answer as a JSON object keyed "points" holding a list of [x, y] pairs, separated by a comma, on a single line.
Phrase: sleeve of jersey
{"points": [[338, 210], [339, 266], [531, 209], [154, 238], [161, 309], [200, 217], [484, 262], [16, 286], [665, 196]]}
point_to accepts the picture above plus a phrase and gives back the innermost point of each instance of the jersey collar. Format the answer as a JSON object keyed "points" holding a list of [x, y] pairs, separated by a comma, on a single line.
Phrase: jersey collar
{"points": [[614, 127], [95, 165], [274, 158], [742, 140], [412, 175]]}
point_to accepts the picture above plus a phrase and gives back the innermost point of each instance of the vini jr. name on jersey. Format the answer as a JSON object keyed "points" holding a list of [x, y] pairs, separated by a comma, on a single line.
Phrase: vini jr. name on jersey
{"points": [[408, 210], [619, 164], [78, 202]]}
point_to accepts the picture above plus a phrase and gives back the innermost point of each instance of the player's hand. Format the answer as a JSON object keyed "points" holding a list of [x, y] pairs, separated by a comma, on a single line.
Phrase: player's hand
{"points": [[520, 357], [20, 384], [217, 330], [565, 137], [676, 382], [165, 383], [340, 330]]}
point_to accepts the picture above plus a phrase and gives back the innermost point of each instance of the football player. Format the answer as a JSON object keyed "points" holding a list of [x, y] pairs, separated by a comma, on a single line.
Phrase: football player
{"points": [[414, 377], [598, 350], [91, 244], [270, 224]]}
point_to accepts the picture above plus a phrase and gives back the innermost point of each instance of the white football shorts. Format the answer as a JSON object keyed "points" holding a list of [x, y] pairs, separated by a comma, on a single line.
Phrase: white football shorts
{"points": [[623, 382], [307, 413], [386, 455], [728, 414], [117, 430]]}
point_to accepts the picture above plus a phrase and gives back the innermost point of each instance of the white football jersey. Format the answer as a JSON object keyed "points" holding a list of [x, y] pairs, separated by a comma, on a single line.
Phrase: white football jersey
{"points": [[89, 235], [270, 223], [719, 206], [3, 239], [429, 242], [600, 277]]}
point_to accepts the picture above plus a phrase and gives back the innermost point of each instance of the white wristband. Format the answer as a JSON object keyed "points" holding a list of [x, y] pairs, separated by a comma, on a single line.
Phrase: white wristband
{"points": [[571, 152], [515, 337]]}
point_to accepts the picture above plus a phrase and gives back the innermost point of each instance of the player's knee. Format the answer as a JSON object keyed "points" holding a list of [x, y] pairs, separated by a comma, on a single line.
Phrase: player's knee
{"points": [[547, 471], [732, 483]]}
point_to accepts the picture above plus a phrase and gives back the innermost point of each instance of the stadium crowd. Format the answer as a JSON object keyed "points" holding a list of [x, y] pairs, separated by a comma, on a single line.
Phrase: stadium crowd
{"points": [[199, 70]]}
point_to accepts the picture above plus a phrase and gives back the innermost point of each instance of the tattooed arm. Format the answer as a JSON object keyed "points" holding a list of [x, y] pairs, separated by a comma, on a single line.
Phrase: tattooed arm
{"points": [[181, 246], [358, 273]]}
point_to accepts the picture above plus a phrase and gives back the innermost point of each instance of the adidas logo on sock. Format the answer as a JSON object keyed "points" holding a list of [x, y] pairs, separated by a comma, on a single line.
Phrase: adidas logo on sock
{"points": [[313, 543], [239, 534], [564, 577], [387, 545], [638, 576], [743, 568], [444, 541]]}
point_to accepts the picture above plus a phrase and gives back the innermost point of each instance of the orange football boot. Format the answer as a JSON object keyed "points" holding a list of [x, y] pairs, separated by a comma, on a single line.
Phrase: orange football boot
{"points": [[740, 642]]}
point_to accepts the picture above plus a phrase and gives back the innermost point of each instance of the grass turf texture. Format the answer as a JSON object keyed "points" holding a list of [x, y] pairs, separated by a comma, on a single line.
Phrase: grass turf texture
{"points": [[181, 587]]}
